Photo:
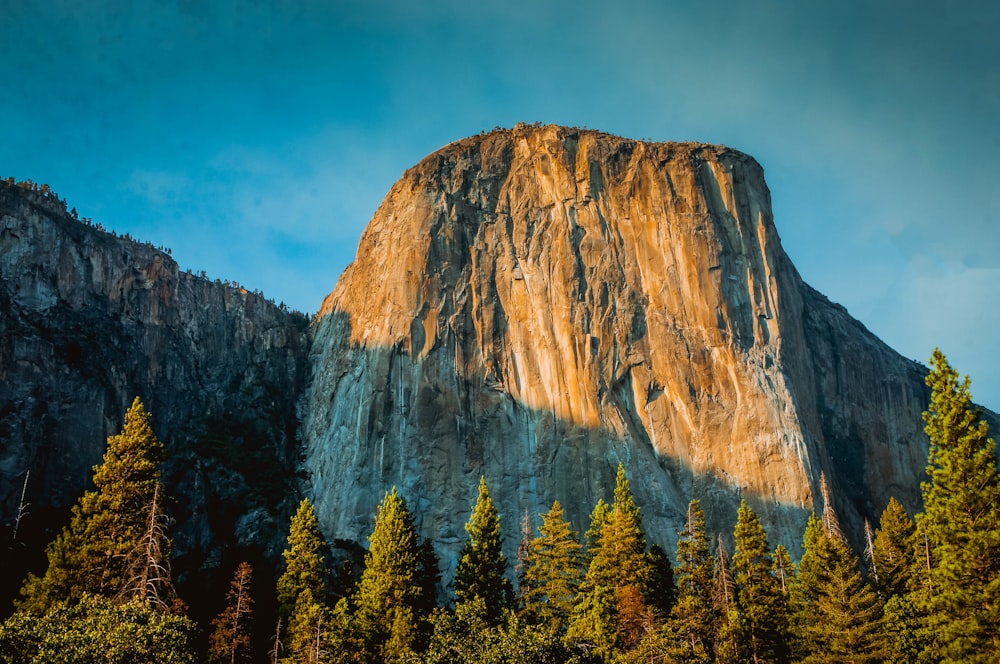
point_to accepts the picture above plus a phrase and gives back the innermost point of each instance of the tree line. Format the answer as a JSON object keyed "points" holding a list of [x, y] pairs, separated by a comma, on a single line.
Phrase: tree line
{"points": [[923, 590]]}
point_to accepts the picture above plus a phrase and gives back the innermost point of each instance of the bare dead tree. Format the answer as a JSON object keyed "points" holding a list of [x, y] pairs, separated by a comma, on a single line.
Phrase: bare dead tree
{"points": [[22, 508], [724, 593], [870, 550], [275, 652], [149, 570], [830, 521]]}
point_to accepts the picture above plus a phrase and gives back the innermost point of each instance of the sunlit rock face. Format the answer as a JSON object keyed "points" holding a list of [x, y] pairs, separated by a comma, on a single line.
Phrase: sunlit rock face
{"points": [[537, 305], [88, 321]]}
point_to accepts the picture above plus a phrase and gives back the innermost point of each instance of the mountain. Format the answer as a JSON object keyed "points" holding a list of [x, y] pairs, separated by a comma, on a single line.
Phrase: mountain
{"points": [[88, 321], [532, 305], [537, 305]]}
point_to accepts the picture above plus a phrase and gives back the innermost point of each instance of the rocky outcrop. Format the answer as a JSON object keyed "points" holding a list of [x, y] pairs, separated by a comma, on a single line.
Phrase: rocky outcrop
{"points": [[535, 305], [88, 321]]}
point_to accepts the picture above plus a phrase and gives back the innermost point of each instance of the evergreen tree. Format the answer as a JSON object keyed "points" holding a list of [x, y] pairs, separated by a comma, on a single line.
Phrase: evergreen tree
{"points": [[959, 585], [554, 572], [892, 551], [308, 636], [618, 576], [729, 630], [302, 588], [230, 639], [693, 616], [841, 616], [592, 538], [93, 553], [760, 601], [482, 567], [784, 570], [661, 594], [390, 588], [305, 562]]}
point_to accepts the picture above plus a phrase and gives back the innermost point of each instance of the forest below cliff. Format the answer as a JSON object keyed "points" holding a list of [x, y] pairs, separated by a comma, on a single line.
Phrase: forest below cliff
{"points": [[924, 589]]}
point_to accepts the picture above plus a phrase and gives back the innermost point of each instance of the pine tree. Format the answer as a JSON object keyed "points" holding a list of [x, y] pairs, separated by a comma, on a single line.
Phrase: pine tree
{"points": [[840, 615], [390, 587], [592, 538], [693, 617], [892, 551], [784, 570], [959, 587], [92, 554], [308, 630], [482, 566], [759, 598], [305, 562], [661, 594], [554, 572], [619, 573], [230, 639], [729, 630]]}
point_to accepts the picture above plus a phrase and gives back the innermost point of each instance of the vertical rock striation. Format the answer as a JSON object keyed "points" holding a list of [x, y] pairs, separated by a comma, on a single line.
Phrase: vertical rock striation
{"points": [[88, 321], [537, 304]]}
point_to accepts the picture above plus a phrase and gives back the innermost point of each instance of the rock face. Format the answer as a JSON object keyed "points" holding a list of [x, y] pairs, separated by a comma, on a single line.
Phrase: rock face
{"points": [[537, 305], [88, 321]]}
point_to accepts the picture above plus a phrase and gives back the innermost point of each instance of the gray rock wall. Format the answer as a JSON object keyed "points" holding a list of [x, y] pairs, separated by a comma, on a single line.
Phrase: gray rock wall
{"points": [[536, 305]]}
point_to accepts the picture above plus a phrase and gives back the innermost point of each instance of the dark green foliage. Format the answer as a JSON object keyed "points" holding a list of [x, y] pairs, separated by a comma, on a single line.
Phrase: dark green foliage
{"points": [[760, 604], [693, 616], [93, 554], [958, 585], [840, 616], [554, 572], [482, 566], [892, 551], [100, 631], [660, 591], [305, 561]]}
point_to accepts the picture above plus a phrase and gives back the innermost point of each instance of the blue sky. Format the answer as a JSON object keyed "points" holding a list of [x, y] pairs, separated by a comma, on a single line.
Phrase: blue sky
{"points": [[257, 138]]}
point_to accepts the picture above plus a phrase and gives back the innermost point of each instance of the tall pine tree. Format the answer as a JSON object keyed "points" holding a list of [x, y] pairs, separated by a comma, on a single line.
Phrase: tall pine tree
{"points": [[759, 599], [694, 617], [554, 571], [618, 577], [840, 616], [390, 593], [482, 567], [305, 561], [959, 530], [93, 554], [302, 588]]}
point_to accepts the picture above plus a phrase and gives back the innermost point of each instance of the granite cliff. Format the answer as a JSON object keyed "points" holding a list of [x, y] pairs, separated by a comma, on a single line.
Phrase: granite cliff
{"points": [[88, 321], [537, 305], [532, 305]]}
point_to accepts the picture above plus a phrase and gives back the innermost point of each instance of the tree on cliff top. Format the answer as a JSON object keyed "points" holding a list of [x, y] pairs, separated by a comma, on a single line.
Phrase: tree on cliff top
{"points": [[92, 554], [959, 530]]}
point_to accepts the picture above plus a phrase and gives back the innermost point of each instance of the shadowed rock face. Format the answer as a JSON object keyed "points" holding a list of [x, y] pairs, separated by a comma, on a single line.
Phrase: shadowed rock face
{"points": [[88, 321], [536, 305]]}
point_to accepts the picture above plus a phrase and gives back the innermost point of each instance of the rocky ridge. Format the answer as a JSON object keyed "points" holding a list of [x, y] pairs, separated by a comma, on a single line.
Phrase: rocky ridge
{"points": [[88, 321], [535, 305]]}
